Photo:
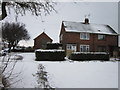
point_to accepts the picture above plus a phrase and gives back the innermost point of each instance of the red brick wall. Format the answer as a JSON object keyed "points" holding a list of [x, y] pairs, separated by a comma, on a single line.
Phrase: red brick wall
{"points": [[70, 37], [40, 40]]}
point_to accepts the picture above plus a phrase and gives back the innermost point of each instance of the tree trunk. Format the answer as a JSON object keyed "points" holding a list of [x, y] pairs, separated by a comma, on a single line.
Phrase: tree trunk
{"points": [[9, 46], [4, 12]]}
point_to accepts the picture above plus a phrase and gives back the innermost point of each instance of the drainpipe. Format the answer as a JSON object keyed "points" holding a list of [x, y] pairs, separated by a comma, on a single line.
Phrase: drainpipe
{"points": [[93, 43]]}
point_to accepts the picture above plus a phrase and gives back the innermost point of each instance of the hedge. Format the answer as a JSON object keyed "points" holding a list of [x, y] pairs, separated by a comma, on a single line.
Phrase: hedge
{"points": [[50, 55], [90, 56]]}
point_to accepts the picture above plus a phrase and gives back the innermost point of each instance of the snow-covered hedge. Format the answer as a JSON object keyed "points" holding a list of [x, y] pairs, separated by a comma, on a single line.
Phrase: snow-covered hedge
{"points": [[49, 50], [102, 56], [50, 55], [90, 53]]}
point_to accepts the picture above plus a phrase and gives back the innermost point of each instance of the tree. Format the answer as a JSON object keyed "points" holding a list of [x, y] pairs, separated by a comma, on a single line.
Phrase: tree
{"points": [[13, 33], [36, 7]]}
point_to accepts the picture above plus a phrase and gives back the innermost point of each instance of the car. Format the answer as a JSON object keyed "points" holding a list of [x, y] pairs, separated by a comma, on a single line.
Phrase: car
{"points": [[3, 52]]}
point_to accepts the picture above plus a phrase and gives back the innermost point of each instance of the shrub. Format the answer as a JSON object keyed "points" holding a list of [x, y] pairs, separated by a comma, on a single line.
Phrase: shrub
{"points": [[89, 56], [50, 55]]}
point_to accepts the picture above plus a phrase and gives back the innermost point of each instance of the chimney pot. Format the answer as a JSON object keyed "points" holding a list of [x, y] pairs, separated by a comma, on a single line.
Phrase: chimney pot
{"points": [[86, 21]]}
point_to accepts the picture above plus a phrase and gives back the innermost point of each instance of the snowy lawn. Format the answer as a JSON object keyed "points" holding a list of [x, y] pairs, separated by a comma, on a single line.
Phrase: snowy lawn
{"points": [[65, 74]]}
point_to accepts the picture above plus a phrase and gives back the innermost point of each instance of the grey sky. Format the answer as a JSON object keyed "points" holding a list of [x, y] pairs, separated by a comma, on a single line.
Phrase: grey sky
{"points": [[100, 13]]}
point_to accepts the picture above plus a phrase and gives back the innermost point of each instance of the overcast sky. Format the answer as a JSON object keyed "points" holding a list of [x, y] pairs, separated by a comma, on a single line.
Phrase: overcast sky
{"points": [[100, 13]]}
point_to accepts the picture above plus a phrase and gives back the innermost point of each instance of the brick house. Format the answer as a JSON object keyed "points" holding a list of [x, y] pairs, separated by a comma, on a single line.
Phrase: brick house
{"points": [[41, 41], [88, 37]]}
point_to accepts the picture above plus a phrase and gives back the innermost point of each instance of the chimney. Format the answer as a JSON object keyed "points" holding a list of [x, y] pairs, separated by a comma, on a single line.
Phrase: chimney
{"points": [[86, 21]]}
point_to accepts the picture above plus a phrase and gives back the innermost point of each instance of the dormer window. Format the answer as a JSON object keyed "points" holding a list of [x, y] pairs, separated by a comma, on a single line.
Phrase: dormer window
{"points": [[84, 36]]}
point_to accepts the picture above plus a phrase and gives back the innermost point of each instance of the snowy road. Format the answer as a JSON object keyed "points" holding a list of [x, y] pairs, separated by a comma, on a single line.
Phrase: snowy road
{"points": [[64, 74]]}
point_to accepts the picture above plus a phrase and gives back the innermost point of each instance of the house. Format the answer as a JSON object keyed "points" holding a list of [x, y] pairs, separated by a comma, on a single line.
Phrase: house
{"points": [[41, 41], [88, 37]]}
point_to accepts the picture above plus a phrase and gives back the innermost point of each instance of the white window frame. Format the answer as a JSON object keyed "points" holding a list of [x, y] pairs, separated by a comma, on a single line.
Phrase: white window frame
{"points": [[87, 48], [84, 36], [101, 37], [72, 47]]}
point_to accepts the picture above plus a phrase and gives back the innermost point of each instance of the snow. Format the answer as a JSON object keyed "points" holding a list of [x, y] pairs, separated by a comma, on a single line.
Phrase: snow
{"points": [[89, 28], [90, 53], [84, 75], [66, 74], [50, 50]]}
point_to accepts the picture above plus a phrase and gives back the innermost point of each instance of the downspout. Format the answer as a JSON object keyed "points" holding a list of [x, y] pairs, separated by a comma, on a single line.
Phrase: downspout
{"points": [[93, 43]]}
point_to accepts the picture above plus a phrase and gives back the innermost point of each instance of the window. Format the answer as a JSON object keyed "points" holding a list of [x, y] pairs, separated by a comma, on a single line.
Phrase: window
{"points": [[84, 36], [71, 47], [84, 48], [101, 37]]}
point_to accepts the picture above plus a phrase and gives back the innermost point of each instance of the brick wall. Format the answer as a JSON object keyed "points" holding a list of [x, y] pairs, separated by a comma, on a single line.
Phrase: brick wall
{"points": [[41, 41], [74, 38]]}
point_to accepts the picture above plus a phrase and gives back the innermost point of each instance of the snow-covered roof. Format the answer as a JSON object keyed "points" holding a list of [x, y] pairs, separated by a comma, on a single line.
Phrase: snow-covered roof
{"points": [[88, 28]]}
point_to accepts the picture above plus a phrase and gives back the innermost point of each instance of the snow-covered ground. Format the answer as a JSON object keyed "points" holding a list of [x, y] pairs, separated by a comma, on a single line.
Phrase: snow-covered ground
{"points": [[64, 74]]}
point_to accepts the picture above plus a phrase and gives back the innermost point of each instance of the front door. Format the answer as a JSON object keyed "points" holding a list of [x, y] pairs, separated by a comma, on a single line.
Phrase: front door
{"points": [[74, 48]]}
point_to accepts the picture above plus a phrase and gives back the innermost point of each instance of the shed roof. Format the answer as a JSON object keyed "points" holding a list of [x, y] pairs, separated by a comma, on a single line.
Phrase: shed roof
{"points": [[88, 28]]}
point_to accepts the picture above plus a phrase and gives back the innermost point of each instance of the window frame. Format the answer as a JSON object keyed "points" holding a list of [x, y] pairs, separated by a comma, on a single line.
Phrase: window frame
{"points": [[70, 47], [87, 47], [84, 36], [101, 37]]}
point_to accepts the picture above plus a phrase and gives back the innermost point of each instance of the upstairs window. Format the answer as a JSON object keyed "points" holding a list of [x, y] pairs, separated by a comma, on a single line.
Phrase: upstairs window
{"points": [[84, 36], [101, 37]]}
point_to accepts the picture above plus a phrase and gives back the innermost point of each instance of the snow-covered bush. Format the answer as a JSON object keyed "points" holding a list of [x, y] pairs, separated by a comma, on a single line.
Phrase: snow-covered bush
{"points": [[102, 56]]}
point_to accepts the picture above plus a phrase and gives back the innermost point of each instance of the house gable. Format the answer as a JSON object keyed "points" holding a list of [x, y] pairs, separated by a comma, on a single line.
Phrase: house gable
{"points": [[43, 35], [41, 41], [62, 29]]}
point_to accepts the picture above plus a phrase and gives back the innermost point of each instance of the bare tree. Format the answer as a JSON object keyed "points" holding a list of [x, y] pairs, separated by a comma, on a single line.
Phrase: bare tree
{"points": [[13, 33], [36, 7], [6, 70]]}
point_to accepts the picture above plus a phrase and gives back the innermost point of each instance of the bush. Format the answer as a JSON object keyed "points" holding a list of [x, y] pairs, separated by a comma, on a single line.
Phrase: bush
{"points": [[50, 55], [89, 56], [53, 45]]}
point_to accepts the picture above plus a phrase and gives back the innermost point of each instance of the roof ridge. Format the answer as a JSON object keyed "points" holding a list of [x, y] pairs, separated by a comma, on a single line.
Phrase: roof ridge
{"points": [[83, 23]]}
